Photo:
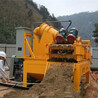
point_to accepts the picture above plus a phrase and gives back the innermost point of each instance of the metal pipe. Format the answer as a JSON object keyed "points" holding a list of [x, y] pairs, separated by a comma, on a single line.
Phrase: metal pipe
{"points": [[70, 22]]}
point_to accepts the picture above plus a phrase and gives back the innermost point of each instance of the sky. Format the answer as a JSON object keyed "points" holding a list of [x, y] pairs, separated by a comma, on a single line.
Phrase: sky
{"points": [[68, 7]]}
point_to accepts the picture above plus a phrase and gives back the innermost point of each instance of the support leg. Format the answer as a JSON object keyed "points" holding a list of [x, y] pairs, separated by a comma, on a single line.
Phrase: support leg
{"points": [[24, 78], [88, 77], [77, 84], [77, 79]]}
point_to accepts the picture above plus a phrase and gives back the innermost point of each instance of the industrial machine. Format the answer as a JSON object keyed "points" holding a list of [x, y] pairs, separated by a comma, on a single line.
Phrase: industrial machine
{"points": [[36, 51]]}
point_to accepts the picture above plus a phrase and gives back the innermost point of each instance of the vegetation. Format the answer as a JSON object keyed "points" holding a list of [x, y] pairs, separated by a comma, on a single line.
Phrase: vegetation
{"points": [[46, 16], [16, 13], [95, 33]]}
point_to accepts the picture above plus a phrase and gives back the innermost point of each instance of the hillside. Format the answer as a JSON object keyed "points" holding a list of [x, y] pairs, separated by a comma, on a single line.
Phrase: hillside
{"points": [[84, 22], [15, 13]]}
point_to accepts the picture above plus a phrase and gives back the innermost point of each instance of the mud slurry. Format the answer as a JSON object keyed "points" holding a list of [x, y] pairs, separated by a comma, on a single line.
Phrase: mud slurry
{"points": [[57, 83]]}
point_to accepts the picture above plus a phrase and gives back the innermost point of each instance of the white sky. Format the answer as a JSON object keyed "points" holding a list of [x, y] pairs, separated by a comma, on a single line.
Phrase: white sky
{"points": [[68, 7]]}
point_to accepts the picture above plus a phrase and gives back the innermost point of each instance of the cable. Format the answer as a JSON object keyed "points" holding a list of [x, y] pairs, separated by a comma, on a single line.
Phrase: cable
{"points": [[8, 88]]}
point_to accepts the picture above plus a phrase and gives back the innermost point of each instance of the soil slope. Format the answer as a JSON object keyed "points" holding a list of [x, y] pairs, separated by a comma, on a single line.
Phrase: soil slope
{"points": [[57, 83]]}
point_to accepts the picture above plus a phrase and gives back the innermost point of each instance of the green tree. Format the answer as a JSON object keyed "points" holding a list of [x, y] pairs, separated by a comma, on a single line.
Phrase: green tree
{"points": [[44, 12], [95, 33], [6, 34]]}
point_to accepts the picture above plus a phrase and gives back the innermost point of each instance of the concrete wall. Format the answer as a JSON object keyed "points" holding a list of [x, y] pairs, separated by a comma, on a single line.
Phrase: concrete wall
{"points": [[95, 57], [9, 49]]}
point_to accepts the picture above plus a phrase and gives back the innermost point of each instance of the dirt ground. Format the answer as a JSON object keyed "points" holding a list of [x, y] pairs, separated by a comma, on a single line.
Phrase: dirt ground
{"points": [[92, 90], [3, 91], [57, 83]]}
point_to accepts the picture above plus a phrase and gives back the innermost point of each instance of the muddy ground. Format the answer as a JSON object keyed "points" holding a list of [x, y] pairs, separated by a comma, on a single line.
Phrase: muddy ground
{"points": [[57, 83], [92, 90], [3, 91]]}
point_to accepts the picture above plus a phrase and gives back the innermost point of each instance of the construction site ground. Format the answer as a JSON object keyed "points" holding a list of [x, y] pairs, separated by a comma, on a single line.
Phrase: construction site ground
{"points": [[57, 83], [3, 91]]}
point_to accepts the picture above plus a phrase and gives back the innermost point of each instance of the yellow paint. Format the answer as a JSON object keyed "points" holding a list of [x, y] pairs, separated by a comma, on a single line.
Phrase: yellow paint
{"points": [[34, 67], [41, 45], [36, 63], [81, 68]]}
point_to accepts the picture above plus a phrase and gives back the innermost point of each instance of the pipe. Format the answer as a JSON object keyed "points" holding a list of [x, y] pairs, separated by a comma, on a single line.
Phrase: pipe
{"points": [[70, 22]]}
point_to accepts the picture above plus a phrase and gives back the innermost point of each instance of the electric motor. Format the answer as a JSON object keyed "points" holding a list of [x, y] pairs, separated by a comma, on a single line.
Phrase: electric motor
{"points": [[72, 35]]}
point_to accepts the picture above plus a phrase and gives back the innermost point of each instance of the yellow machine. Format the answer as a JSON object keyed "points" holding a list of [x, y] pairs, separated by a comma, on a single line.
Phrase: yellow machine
{"points": [[46, 51]]}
